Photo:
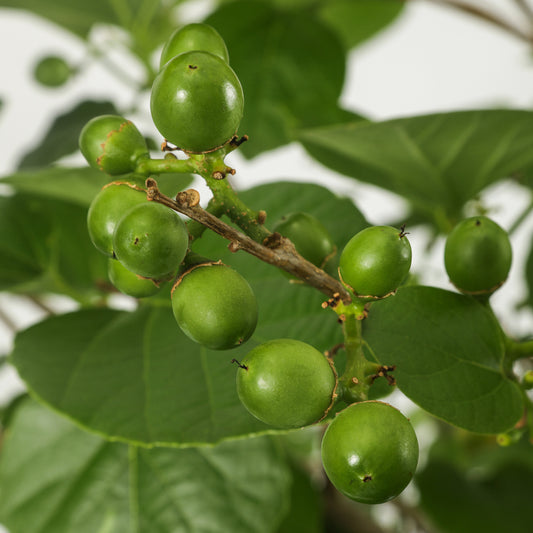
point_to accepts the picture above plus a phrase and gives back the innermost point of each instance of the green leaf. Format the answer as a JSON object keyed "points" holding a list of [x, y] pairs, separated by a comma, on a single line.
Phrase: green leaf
{"points": [[448, 353], [487, 490], [55, 478], [149, 23], [23, 251], [358, 20], [136, 377], [78, 185], [61, 139], [437, 162], [281, 58], [37, 240]]}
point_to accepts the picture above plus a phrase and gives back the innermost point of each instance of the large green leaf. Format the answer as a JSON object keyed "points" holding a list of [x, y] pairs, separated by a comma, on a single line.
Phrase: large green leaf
{"points": [[448, 353], [135, 376], [149, 22], [470, 486], [45, 247], [437, 162], [79, 185], [55, 478], [23, 252], [358, 20], [291, 66], [61, 139]]}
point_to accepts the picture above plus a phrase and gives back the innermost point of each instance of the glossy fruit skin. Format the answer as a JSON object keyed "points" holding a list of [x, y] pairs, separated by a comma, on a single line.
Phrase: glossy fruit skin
{"points": [[309, 236], [370, 452], [151, 240], [52, 71], [196, 36], [375, 261], [215, 306], [112, 144], [107, 208], [286, 383], [197, 102], [129, 283], [478, 255]]}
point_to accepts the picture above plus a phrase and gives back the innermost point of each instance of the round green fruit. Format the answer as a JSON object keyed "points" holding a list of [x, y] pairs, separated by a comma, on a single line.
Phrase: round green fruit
{"points": [[151, 240], [286, 383], [197, 102], [478, 255], [375, 261], [112, 144], [129, 283], [370, 452], [52, 71], [107, 208], [215, 306], [309, 236], [192, 37]]}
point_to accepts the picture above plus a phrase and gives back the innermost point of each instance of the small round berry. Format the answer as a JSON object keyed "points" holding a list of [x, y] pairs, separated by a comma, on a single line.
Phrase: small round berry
{"points": [[151, 240], [112, 144], [52, 71], [478, 255], [309, 236], [129, 283], [286, 383], [215, 306], [107, 208], [197, 102], [375, 261], [370, 452], [196, 36]]}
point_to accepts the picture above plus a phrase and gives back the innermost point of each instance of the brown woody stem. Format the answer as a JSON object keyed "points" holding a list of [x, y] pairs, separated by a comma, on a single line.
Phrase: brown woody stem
{"points": [[275, 249]]}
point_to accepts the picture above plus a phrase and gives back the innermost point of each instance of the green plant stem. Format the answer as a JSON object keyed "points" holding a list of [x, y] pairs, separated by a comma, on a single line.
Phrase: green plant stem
{"points": [[237, 211], [353, 380], [147, 167], [519, 350], [521, 217]]}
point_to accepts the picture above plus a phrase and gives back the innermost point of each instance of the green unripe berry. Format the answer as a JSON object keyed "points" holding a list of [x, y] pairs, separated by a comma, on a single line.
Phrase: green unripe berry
{"points": [[129, 283], [309, 236], [197, 102], [375, 261], [286, 383], [196, 36], [107, 208], [215, 306], [151, 240], [52, 71], [478, 255], [370, 452], [112, 144]]}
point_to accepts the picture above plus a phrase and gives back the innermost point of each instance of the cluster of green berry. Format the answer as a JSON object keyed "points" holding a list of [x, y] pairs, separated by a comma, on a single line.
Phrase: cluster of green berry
{"points": [[197, 103], [369, 450]]}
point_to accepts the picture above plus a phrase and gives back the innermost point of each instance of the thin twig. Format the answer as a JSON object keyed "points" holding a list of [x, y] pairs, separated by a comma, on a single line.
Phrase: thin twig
{"points": [[526, 9], [277, 251], [486, 15], [6, 319]]}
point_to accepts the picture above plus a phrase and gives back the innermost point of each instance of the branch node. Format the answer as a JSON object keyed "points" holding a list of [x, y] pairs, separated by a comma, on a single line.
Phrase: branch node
{"points": [[234, 247], [188, 198], [273, 241]]}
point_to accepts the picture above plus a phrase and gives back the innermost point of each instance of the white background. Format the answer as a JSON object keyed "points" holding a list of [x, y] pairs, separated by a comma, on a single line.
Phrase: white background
{"points": [[432, 59]]}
